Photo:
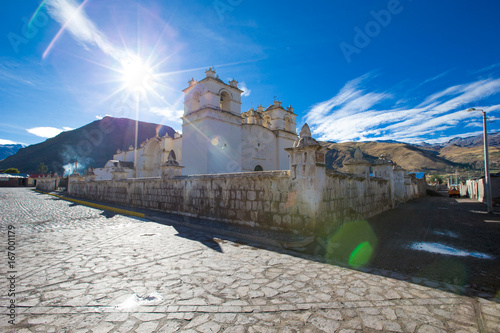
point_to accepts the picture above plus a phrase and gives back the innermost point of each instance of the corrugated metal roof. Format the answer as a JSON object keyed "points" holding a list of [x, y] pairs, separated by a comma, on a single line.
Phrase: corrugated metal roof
{"points": [[418, 175]]}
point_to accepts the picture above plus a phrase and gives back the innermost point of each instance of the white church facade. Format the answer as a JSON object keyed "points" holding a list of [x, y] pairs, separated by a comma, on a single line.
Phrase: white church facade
{"points": [[216, 136]]}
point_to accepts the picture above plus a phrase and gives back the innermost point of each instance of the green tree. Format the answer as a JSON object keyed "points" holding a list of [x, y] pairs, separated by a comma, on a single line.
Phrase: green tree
{"points": [[434, 178], [12, 170], [42, 168]]}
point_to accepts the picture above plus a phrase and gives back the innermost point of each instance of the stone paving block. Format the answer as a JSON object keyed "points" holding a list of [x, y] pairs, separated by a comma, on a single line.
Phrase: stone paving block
{"points": [[99, 273]]}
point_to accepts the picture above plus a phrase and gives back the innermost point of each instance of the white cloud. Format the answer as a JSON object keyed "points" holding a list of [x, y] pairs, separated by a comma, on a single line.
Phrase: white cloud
{"points": [[72, 17], [478, 124], [169, 114], [8, 142], [352, 114], [490, 108], [459, 135], [99, 117], [246, 91], [436, 77], [487, 68], [47, 132]]}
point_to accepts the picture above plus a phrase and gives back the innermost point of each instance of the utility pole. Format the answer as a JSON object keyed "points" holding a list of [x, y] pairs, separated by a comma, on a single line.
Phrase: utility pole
{"points": [[487, 178]]}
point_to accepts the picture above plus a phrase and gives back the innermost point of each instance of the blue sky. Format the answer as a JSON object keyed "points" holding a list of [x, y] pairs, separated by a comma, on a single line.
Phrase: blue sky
{"points": [[353, 70]]}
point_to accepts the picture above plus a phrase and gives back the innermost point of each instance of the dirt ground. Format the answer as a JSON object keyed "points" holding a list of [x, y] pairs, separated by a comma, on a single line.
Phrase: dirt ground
{"points": [[433, 238]]}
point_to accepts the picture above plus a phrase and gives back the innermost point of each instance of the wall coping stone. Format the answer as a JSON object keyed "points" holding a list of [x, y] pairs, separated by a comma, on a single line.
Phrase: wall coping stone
{"points": [[254, 174]]}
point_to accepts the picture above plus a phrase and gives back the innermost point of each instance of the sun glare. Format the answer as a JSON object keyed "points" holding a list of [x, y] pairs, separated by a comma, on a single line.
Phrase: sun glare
{"points": [[136, 75]]}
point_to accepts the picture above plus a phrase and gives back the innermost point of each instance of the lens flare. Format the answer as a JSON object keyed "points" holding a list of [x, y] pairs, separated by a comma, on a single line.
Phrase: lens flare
{"points": [[361, 255], [74, 14], [448, 270], [136, 74], [353, 243], [36, 13]]}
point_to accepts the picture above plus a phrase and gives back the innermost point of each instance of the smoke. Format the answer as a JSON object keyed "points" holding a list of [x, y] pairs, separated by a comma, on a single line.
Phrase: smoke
{"points": [[70, 158]]}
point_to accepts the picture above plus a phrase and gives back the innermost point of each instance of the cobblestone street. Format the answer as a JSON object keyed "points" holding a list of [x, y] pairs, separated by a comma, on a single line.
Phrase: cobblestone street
{"points": [[81, 269]]}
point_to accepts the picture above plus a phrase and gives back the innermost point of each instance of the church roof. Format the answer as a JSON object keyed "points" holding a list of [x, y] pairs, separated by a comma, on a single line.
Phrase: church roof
{"points": [[210, 75], [124, 164], [255, 113], [277, 105]]}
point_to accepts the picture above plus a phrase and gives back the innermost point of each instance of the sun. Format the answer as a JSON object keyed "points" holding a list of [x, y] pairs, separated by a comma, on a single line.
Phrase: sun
{"points": [[136, 74]]}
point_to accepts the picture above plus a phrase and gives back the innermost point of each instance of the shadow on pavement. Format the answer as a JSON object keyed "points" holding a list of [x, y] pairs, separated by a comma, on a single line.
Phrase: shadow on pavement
{"points": [[108, 214], [437, 242], [203, 238]]}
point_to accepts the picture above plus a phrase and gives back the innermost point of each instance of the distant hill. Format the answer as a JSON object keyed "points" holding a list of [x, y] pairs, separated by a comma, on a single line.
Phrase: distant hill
{"points": [[93, 144], [458, 153], [472, 155], [411, 158], [8, 150], [471, 141], [475, 141]]}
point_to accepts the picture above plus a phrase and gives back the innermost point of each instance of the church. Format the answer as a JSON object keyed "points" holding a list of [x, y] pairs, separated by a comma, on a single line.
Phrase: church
{"points": [[216, 136]]}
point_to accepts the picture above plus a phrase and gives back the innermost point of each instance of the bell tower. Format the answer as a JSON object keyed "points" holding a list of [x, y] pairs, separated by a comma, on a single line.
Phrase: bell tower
{"points": [[211, 127]]}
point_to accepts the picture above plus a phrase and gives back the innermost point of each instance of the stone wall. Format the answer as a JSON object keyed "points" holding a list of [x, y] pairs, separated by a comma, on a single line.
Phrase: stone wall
{"points": [[47, 184], [306, 198], [475, 188], [418, 187], [270, 200], [251, 198]]}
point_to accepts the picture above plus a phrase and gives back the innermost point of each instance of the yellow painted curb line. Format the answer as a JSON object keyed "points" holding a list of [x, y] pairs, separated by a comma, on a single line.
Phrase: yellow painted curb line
{"points": [[86, 203]]}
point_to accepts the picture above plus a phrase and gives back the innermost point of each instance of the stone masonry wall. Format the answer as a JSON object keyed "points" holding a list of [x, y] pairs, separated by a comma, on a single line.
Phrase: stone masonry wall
{"points": [[307, 198], [48, 184], [269, 200]]}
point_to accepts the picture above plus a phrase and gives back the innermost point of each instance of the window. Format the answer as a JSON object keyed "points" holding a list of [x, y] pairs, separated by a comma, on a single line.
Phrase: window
{"points": [[225, 100], [258, 168]]}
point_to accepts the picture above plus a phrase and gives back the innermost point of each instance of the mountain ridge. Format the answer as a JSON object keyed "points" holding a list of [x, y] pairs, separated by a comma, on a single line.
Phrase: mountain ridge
{"points": [[9, 150], [92, 144]]}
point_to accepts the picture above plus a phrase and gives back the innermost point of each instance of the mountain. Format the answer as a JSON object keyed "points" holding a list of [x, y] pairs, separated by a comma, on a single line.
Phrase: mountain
{"points": [[93, 145], [8, 150], [458, 153], [471, 141], [410, 157], [472, 155], [475, 141]]}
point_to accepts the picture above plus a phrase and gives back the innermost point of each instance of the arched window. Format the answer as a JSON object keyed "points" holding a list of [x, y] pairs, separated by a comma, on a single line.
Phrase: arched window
{"points": [[258, 168], [225, 100]]}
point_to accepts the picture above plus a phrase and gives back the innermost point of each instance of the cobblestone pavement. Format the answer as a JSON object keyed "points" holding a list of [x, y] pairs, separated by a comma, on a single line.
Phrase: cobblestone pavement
{"points": [[79, 269]]}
